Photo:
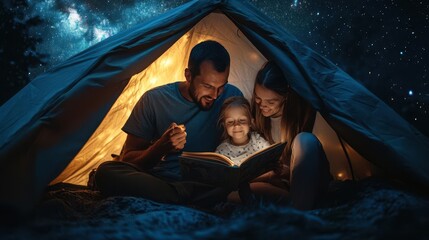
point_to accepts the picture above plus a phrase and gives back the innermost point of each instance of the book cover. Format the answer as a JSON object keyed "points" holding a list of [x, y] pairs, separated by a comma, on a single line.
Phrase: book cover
{"points": [[219, 170]]}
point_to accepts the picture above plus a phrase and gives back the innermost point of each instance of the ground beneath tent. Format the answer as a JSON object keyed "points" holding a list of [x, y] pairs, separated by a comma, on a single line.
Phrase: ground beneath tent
{"points": [[370, 209]]}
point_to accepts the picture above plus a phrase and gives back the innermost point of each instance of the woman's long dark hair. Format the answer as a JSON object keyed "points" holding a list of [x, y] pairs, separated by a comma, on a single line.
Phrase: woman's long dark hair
{"points": [[297, 115]]}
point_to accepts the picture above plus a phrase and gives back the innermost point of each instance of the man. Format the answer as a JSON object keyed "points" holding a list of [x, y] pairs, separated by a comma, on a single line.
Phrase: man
{"points": [[166, 120]]}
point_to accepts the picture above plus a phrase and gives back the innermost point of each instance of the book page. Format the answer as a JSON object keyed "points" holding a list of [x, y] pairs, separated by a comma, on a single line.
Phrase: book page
{"points": [[211, 156]]}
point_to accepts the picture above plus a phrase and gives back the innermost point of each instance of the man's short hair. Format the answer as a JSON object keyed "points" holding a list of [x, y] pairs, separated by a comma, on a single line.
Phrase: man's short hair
{"points": [[208, 51]]}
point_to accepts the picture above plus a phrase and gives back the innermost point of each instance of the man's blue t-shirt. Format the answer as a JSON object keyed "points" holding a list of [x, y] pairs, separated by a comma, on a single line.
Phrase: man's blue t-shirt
{"points": [[161, 106]]}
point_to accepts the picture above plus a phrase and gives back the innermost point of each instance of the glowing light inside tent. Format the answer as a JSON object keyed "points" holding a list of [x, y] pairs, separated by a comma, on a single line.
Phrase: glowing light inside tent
{"points": [[340, 175], [109, 138], [153, 80], [167, 62], [169, 67], [254, 57]]}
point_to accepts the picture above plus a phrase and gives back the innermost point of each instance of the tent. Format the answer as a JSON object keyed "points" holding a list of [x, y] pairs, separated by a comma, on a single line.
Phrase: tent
{"points": [[68, 120]]}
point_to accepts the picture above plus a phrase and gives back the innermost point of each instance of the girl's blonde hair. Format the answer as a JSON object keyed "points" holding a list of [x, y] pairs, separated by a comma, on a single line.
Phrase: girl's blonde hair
{"points": [[234, 102]]}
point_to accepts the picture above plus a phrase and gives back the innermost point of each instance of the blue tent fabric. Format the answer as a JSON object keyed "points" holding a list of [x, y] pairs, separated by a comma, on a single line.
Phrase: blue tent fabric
{"points": [[44, 125], [357, 115]]}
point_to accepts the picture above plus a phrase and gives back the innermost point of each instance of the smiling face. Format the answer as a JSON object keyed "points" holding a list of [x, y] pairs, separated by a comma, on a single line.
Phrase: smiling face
{"points": [[237, 125], [269, 102], [207, 86]]}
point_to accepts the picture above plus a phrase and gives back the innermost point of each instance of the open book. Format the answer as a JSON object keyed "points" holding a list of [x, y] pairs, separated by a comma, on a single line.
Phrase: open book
{"points": [[219, 170]]}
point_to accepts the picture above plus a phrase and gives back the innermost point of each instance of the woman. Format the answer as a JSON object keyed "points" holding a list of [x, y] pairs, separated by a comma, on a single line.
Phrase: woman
{"points": [[282, 115]]}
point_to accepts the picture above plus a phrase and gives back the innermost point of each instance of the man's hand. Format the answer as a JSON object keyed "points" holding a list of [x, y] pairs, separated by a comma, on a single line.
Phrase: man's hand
{"points": [[146, 155], [174, 138]]}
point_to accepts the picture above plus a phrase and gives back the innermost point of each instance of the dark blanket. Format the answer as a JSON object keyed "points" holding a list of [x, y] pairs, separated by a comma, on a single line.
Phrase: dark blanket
{"points": [[369, 209]]}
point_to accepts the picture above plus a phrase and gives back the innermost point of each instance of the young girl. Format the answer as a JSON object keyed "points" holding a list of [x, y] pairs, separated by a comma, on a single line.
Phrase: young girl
{"points": [[238, 139]]}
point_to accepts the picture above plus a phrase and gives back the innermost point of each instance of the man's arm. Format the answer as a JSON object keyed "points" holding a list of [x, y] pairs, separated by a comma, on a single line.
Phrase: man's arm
{"points": [[146, 155]]}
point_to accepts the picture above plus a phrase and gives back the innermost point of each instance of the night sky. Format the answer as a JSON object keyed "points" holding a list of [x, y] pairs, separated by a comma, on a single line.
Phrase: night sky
{"points": [[382, 44]]}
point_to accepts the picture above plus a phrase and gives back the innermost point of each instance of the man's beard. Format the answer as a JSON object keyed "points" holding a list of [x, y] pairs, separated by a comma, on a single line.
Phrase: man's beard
{"points": [[198, 101]]}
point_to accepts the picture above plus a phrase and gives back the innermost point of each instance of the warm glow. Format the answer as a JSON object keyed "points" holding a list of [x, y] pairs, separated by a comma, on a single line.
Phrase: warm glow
{"points": [[254, 57], [201, 40], [341, 176], [108, 139], [246, 61], [338, 160], [166, 62], [153, 80]]}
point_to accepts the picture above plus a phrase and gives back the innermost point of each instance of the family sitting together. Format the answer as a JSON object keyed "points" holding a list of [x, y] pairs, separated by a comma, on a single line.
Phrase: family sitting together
{"points": [[205, 113]]}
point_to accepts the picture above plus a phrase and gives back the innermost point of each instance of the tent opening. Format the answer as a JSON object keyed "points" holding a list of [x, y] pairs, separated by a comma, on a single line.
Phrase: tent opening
{"points": [[246, 60]]}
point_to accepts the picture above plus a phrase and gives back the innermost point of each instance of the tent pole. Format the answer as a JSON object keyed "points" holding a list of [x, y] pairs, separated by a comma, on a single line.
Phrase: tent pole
{"points": [[347, 156]]}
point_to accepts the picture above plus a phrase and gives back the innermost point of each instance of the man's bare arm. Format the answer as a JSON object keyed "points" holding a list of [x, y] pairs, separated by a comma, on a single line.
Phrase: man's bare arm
{"points": [[146, 155]]}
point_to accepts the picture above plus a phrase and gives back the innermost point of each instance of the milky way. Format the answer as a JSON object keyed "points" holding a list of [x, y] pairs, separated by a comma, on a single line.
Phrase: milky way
{"points": [[71, 26], [382, 44]]}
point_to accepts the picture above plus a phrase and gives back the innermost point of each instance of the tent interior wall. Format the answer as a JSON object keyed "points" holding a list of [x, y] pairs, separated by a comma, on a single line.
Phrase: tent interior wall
{"points": [[246, 60]]}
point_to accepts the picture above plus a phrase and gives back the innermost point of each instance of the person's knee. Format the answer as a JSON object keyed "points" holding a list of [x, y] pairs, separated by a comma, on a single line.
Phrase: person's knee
{"points": [[308, 155], [103, 170], [305, 142], [100, 175], [105, 176]]}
